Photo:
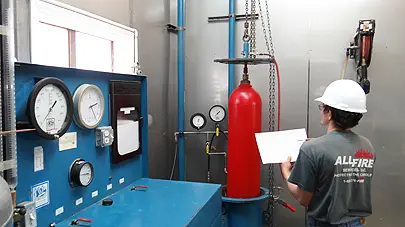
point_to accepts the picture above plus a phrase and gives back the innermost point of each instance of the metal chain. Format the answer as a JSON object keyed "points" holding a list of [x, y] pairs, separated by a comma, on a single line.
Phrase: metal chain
{"points": [[253, 29], [272, 108], [246, 37]]}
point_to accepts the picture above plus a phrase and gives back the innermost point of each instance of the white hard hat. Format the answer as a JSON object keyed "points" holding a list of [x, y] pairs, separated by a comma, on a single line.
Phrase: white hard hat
{"points": [[346, 95]]}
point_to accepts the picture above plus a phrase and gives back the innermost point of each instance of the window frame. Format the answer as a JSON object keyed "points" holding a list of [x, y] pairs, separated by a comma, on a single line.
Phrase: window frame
{"points": [[62, 15]]}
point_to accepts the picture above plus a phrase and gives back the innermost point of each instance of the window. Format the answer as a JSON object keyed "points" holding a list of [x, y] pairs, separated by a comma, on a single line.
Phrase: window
{"points": [[94, 53], [69, 37], [54, 46]]}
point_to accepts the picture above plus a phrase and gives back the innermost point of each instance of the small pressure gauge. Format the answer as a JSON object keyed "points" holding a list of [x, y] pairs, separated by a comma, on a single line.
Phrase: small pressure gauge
{"points": [[81, 173], [50, 108], [198, 121], [217, 113], [89, 106]]}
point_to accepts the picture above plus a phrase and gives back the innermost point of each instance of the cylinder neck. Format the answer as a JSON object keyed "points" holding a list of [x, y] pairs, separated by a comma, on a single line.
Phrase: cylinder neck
{"points": [[245, 77]]}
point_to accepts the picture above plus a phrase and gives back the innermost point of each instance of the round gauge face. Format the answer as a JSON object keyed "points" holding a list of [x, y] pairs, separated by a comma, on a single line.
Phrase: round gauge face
{"points": [[50, 108], [217, 113], [198, 121], [86, 174], [89, 103]]}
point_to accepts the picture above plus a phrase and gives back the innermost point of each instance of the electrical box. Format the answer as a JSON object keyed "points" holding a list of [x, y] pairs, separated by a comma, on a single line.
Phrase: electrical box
{"points": [[104, 136], [125, 119]]}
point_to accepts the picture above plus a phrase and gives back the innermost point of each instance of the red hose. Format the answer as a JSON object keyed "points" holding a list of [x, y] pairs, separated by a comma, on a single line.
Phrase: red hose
{"points": [[278, 95]]}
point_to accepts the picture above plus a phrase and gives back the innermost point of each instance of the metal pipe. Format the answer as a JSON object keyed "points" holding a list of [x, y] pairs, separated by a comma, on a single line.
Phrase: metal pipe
{"points": [[231, 47], [205, 132], [246, 49], [237, 17], [9, 92], [181, 86]]}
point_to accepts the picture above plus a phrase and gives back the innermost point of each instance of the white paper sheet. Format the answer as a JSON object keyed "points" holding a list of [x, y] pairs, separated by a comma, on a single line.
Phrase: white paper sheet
{"points": [[128, 136], [275, 147]]}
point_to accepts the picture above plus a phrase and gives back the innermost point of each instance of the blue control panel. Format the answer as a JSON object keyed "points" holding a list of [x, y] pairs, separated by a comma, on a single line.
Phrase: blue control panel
{"points": [[162, 203], [56, 200]]}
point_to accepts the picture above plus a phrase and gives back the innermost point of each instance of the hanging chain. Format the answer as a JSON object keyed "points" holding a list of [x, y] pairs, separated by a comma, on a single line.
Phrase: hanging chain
{"points": [[246, 37], [269, 214], [253, 49]]}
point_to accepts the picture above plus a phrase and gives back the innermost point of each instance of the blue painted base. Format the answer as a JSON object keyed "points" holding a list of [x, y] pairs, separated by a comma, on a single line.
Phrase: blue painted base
{"points": [[164, 203], [244, 212]]}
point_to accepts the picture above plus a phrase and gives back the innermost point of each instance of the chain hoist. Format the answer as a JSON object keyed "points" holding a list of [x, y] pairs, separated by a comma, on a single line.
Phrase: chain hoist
{"points": [[253, 50], [246, 37], [269, 214]]}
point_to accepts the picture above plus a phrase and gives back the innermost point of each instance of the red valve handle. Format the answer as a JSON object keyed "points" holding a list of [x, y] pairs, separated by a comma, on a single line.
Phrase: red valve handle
{"points": [[290, 207], [141, 186], [85, 220]]}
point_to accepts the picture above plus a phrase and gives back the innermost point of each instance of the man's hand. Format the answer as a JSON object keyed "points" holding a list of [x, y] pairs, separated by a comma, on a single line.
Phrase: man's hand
{"points": [[286, 168]]}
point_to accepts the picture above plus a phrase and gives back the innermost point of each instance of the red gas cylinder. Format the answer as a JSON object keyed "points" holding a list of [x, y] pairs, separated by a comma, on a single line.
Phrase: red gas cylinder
{"points": [[245, 119]]}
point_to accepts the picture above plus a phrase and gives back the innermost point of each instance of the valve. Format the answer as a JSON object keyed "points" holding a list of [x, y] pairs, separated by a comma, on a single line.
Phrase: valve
{"points": [[77, 222]]}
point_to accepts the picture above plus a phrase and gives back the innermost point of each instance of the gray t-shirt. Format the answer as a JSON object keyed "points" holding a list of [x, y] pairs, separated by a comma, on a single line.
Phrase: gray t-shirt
{"points": [[337, 168]]}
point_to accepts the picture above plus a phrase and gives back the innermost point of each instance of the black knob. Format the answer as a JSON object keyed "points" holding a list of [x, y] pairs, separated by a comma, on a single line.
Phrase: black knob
{"points": [[21, 211], [107, 202]]}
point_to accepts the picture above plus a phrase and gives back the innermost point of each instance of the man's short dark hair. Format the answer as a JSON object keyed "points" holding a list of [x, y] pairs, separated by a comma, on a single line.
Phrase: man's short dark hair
{"points": [[342, 119]]}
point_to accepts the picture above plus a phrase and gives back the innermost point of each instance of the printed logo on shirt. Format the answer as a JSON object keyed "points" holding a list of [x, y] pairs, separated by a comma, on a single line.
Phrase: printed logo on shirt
{"points": [[357, 168]]}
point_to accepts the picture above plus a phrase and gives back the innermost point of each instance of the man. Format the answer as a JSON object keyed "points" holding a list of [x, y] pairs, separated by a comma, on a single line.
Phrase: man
{"points": [[332, 175]]}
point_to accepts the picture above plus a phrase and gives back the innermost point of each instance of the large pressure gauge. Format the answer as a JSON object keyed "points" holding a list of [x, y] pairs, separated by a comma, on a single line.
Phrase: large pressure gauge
{"points": [[50, 108], [198, 121], [217, 113], [89, 106], [81, 173]]}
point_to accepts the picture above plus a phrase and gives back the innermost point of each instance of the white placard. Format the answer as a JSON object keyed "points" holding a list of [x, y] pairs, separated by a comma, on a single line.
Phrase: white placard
{"points": [[40, 194], [122, 180], [109, 187], [68, 141], [79, 201], [59, 211], [38, 159], [94, 194], [275, 147], [128, 136]]}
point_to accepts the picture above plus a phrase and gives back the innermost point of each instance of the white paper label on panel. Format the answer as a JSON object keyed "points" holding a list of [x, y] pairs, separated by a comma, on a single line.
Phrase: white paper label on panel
{"points": [[59, 211], [128, 136], [68, 141], [109, 187], [79, 201], [94, 194], [122, 180], [38, 159]]}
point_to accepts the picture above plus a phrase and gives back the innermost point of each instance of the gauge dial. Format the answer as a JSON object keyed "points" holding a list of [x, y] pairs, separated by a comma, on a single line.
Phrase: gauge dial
{"points": [[50, 108], [198, 121], [81, 173], [217, 113], [89, 106]]}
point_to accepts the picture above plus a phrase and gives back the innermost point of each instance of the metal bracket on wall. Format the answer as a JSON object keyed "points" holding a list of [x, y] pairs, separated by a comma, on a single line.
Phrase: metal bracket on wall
{"points": [[237, 17], [174, 28]]}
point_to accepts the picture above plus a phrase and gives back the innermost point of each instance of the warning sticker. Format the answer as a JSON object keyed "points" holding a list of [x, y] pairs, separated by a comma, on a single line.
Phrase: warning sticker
{"points": [[40, 194]]}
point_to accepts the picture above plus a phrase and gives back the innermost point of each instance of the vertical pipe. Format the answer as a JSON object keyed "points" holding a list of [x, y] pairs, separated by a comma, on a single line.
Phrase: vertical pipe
{"points": [[9, 93], [181, 86], [246, 49], [231, 47]]}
